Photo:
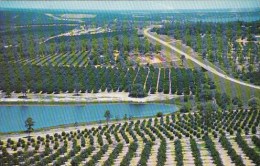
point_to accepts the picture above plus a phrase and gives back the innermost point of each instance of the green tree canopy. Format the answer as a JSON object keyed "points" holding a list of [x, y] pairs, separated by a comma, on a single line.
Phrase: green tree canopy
{"points": [[137, 90], [29, 123], [107, 115], [253, 103]]}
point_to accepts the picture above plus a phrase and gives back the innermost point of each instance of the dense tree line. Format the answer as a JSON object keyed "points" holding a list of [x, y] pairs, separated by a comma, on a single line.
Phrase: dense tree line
{"points": [[118, 149], [161, 155], [49, 79], [213, 151], [97, 156], [237, 159], [195, 153], [178, 153], [129, 155], [250, 152], [145, 154], [151, 82]]}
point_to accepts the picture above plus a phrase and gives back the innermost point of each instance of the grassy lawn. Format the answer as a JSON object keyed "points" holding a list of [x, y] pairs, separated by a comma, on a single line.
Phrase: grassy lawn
{"points": [[189, 63]]}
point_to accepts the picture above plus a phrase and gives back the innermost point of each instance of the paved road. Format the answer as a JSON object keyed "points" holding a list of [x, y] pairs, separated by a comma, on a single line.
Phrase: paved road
{"points": [[211, 69]]}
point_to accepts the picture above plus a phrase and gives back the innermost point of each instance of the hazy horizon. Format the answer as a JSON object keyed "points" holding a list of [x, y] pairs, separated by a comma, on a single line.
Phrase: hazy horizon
{"points": [[233, 5]]}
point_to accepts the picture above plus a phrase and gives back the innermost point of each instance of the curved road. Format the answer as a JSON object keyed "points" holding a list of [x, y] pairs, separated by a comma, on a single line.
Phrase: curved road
{"points": [[214, 71]]}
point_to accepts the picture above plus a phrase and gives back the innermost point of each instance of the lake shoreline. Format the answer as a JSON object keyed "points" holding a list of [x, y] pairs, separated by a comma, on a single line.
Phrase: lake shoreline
{"points": [[80, 104], [84, 98], [73, 115], [79, 125]]}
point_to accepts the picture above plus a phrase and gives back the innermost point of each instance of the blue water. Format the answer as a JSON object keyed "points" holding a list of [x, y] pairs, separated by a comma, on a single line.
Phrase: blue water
{"points": [[12, 118]]}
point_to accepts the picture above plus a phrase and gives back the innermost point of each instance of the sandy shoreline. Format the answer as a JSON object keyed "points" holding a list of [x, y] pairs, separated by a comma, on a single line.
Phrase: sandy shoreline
{"points": [[69, 98], [85, 97]]}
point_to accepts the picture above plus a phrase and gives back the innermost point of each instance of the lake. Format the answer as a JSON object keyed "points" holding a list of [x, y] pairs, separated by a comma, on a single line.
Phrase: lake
{"points": [[12, 118]]}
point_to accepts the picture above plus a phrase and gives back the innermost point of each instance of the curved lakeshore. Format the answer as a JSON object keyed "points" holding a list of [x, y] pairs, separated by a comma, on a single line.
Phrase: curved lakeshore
{"points": [[48, 116]]}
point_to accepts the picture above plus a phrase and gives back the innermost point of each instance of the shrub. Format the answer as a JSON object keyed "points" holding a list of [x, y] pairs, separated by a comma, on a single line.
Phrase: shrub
{"points": [[185, 98], [215, 154], [118, 149], [178, 152], [159, 114], [145, 153], [253, 103], [130, 154], [153, 90], [256, 141], [184, 109], [137, 91], [196, 152], [161, 155]]}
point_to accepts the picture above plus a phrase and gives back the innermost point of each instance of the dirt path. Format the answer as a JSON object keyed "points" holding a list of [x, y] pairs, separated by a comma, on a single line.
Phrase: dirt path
{"points": [[158, 79]]}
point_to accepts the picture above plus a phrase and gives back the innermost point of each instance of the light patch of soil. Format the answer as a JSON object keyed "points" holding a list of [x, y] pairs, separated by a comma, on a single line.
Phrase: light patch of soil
{"points": [[78, 16], [153, 60], [88, 97], [244, 41], [116, 54]]}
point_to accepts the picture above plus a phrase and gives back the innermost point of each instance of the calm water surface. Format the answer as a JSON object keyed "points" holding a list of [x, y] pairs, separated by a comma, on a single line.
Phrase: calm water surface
{"points": [[12, 117]]}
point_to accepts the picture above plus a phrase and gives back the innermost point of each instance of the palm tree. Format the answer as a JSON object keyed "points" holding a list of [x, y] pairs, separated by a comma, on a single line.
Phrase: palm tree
{"points": [[29, 125], [107, 115]]}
